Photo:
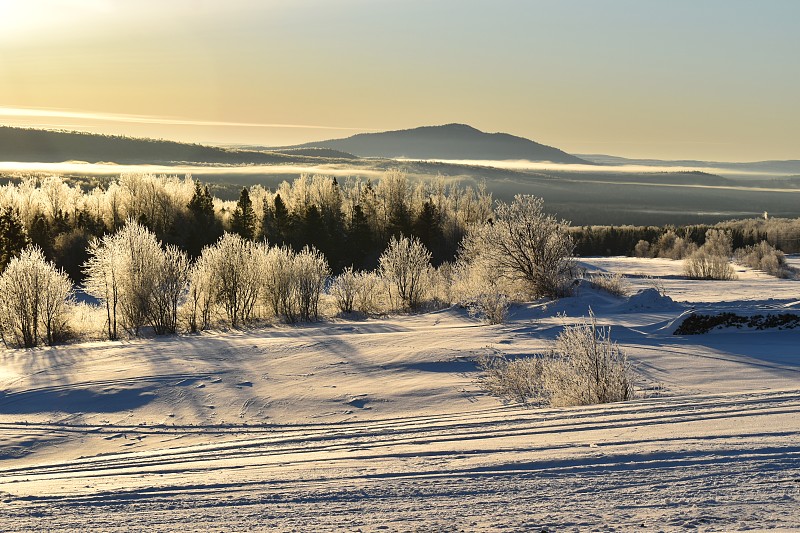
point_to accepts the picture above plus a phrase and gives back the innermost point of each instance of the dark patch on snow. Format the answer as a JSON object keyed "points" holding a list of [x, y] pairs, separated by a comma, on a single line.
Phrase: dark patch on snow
{"points": [[697, 324]]}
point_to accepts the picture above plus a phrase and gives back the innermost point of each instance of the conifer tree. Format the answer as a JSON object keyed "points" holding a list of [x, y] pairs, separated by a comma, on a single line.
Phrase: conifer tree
{"points": [[13, 237], [204, 225], [244, 217]]}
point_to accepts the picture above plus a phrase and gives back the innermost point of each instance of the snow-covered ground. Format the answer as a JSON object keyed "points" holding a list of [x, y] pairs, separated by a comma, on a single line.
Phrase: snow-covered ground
{"points": [[380, 425]]}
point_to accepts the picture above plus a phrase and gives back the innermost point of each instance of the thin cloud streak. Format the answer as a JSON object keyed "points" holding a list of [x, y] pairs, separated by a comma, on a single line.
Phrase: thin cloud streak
{"points": [[27, 112]]}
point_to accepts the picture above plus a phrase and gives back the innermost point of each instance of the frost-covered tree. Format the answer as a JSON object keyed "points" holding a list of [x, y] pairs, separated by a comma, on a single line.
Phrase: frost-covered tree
{"points": [[712, 260], [103, 272], [13, 237], [139, 282], [311, 271], [169, 288], [523, 243], [344, 289], [404, 264], [719, 243], [33, 296], [279, 282], [201, 296], [236, 267]]}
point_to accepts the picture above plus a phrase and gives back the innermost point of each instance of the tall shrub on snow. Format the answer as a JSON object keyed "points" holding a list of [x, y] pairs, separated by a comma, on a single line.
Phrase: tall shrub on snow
{"points": [[138, 281], [311, 271], [523, 243], [235, 267], [405, 264], [33, 296]]}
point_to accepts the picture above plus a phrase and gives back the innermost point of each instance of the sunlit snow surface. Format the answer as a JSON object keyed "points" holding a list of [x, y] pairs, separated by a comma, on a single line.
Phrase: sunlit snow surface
{"points": [[379, 424]]}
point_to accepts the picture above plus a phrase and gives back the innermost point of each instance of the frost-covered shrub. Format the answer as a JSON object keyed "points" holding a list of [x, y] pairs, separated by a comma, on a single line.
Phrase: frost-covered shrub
{"points": [[703, 265], [235, 267], [763, 256], [404, 265], [201, 298], [33, 300], [481, 292], [712, 260], [612, 283], [371, 288], [516, 380], [168, 291], [642, 249], [279, 282], [584, 367], [137, 280], [344, 288], [311, 270], [671, 246], [718, 243], [358, 291], [523, 243], [492, 307]]}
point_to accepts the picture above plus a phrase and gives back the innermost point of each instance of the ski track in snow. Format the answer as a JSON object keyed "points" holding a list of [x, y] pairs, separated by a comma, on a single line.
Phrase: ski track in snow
{"points": [[379, 425]]}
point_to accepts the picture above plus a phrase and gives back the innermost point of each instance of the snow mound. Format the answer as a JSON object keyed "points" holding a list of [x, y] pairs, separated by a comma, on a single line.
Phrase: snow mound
{"points": [[651, 299]]}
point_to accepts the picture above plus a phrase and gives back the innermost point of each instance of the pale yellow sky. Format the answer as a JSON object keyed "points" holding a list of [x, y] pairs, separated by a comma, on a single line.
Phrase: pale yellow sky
{"points": [[684, 79]]}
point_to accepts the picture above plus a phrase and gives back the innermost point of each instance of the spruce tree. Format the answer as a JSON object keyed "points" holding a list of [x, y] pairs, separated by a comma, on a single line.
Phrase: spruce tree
{"points": [[204, 227], [244, 217], [360, 241], [13, 237], [279, 231], [428, 228]]}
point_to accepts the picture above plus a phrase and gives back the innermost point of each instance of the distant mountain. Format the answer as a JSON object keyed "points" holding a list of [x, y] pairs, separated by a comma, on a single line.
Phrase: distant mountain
{"points": [[31, 145], [451, 141]]}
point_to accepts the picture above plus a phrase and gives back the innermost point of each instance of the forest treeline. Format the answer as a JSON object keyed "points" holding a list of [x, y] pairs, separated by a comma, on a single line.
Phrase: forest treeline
{"points": [[657, 241], [350, 222]]}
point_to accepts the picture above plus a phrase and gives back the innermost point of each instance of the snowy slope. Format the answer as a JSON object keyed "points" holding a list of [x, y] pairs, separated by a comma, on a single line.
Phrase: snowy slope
{"points": [[379, 425]]}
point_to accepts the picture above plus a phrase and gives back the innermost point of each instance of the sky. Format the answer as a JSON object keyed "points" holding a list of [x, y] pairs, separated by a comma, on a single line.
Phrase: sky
{"points": [[678, 79]]}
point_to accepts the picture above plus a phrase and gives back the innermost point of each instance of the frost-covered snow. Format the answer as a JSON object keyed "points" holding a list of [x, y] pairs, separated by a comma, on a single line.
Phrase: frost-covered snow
{"points": [[379, 424]]}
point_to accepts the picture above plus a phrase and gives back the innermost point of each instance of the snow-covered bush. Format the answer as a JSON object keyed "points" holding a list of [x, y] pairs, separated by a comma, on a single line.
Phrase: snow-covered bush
{"points": [[703, 265], [671, 246], [169, 286], [311, 270], [201, 298], [718, 243], [763, 256], [139, 282], [712, 260], [120, 272], [524, 244], [612, 283], [279, 282], [344, 289], [481, 292], [491, 306], [516, 380], [584, 367], [371, 288], [404, 265], [642, 249], [33, 300], [235, 270]]}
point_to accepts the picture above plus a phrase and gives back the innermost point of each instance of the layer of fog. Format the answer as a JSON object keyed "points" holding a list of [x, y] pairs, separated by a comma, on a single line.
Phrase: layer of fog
{"points": [[594, 169]]}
